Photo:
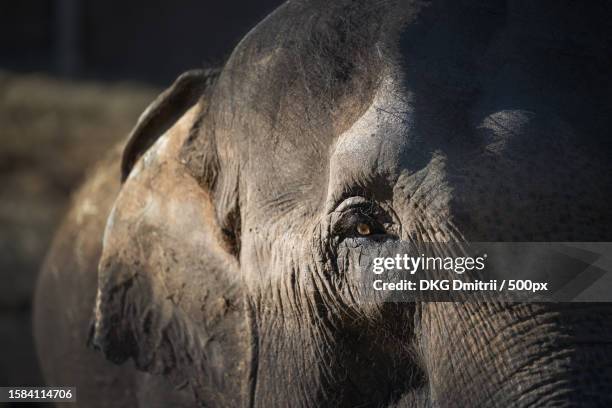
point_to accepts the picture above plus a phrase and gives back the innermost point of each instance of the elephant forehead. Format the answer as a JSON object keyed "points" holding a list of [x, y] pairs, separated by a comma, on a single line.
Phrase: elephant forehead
{"points": [[378, 141], [319, 164]]}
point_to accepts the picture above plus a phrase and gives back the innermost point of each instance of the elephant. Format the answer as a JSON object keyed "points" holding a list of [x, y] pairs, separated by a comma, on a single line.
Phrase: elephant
{"points": [[203, 262]]}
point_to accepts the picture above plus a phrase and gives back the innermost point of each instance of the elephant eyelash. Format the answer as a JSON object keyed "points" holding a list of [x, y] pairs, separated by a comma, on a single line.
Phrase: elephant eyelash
{"points": [[358, 222]]}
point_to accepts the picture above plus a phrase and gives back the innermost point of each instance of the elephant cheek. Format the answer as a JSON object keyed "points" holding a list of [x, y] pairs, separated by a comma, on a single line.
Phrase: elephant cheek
{"points": [[354, 279]]}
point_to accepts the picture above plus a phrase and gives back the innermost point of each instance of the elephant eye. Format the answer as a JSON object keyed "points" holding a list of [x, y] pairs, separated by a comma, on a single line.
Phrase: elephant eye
{"points": [[358, 222], [363, 229]]}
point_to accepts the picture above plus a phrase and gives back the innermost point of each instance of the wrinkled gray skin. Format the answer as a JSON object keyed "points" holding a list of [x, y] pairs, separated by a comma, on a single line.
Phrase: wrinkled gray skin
{"points": [[222, 264]]}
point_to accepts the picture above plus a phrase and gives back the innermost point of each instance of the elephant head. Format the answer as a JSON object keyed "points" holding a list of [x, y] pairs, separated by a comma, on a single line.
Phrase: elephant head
{"points": [[335, 126]]}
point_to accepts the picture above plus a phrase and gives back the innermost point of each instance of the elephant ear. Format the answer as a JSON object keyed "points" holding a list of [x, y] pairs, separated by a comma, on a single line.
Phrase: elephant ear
{"points": [[164, 112], [167, 295]]}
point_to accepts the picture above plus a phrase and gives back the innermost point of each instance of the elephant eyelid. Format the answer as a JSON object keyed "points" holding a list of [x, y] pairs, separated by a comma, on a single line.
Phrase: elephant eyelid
{"points": [[358, 221]]}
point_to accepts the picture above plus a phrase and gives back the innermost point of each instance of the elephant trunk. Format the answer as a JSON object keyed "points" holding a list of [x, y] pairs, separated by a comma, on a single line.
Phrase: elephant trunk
{"points": [[485, 354]]}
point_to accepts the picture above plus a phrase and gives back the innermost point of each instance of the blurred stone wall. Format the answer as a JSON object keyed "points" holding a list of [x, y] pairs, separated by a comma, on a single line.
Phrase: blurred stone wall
{"points": [[51, 131]]}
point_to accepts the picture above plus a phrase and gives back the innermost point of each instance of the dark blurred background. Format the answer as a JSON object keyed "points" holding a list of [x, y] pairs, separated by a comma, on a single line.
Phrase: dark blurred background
{"points": [[145, 41], [74, 76]]}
